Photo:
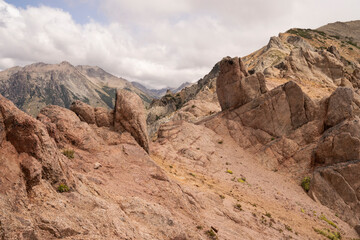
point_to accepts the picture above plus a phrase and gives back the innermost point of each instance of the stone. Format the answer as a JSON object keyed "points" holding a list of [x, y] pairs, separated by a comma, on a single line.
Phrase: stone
{"points": [[85, 112], [337, 187], [339, 144], [234, 86], [103, 117], [32, 172], [130, 115], [30, 136], [97, 165], [339, 106]]}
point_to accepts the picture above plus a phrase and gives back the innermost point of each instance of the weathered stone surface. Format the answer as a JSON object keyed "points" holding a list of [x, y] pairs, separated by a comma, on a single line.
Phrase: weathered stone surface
{"points": [[67, 128], [339, 144], [85, 112], [279, 111], [30, 136], [234, 86], [339, 106], [338, 187], [130, 115], [32, 171], [104, 117]]}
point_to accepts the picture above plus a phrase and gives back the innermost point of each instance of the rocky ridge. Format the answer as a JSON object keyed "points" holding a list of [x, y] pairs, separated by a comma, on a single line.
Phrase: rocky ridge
{"points": [[232, 173], [34, 86]]}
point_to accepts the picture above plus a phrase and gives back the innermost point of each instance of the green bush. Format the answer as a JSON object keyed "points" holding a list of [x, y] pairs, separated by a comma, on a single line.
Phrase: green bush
{"points": [[305, 183]]}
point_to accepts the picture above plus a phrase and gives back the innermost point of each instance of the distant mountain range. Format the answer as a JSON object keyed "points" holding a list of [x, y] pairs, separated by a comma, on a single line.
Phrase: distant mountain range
{"points": [[158, 93]]}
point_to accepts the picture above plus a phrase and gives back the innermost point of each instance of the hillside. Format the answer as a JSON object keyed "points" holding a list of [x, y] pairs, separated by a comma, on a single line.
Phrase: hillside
{"points": [[263, 147], [347, 31], [34, 86]]}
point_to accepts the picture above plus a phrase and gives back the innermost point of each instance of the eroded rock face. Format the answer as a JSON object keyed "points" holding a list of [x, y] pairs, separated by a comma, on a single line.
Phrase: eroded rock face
{"points": [[130, 115], [85, 112], [337, 187], [339, 106], [339, 144], [30, 136], [234, 85]]}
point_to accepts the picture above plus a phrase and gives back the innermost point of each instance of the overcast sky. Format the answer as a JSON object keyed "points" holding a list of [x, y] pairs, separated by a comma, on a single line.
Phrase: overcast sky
{"points": [[155, 42]]}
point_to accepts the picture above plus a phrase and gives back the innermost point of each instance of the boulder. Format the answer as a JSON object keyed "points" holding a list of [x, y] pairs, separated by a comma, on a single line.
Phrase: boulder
{"points": [[339, 144], [130, 115], [85, 112], [104, 117], [234, 85], [279, 111], [67, 128], [339, 106]]}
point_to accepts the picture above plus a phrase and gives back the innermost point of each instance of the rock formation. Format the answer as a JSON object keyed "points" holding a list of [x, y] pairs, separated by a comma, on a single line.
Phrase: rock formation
{"points": [[130, 115], [234, 86]]}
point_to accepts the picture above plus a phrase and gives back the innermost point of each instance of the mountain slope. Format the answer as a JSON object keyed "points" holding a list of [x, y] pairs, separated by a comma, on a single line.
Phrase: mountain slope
{"points": [[349, 31], [158, 93], [34, 86]]}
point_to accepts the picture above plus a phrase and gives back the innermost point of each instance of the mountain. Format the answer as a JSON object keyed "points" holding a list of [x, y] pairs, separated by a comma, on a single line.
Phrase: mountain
{"points": [[158, 93], [265, 146], [34, 86], [345, 31]]}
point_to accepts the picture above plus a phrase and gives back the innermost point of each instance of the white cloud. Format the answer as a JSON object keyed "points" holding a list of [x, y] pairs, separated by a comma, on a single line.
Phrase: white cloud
{"points": [[160, 42]]}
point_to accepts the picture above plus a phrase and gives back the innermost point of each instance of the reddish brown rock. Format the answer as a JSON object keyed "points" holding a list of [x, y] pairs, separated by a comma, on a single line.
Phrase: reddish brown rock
{"points": [[30, 136], [66, 128], [104, 117], [337, 187], [85, 112], [32, 171], [339, 144], [130, 115], [339, 106], [234, 86]]}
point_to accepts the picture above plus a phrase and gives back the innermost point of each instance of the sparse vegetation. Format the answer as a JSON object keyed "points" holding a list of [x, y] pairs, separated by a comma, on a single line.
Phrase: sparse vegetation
{"points": [[238, 207], [241, 180], [287, 227], [69, 153], [322, 217], [193, 106], [327, 233], [211, 234], [199, 227], [305, 33], [191, 174], [229, 171], [268, 215], [305, 183], [63, 188], [222, 196], [220, 142]]}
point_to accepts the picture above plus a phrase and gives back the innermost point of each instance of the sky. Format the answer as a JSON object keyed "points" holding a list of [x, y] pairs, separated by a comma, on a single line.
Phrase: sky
{"points": [[158, 43]]}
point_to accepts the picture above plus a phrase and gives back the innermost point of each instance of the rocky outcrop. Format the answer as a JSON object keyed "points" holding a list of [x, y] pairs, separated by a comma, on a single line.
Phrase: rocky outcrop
{"points": [[85, 112], [30, 137], [337, 187], [99, 116], [234, 86], [130, 115], [339, 106]]}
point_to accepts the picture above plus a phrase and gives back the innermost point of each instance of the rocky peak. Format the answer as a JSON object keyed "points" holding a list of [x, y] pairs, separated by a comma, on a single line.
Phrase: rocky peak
{"points": [[234, 86]]}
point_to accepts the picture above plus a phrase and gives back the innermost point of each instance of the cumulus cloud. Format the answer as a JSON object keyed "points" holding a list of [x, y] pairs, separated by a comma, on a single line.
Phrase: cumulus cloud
{"points": [[158, 43]]}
